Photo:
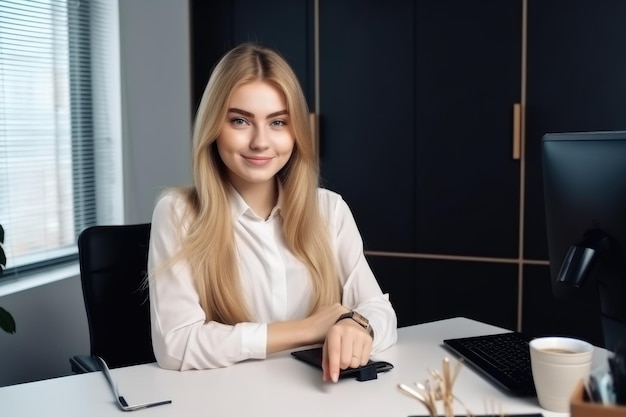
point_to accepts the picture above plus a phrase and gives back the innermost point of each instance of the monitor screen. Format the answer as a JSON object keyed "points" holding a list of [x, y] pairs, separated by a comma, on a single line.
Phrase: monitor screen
{"points": [[584, 176]]}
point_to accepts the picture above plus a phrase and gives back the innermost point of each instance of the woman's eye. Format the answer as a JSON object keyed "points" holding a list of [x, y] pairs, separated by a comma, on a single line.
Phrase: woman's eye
{"points": [[238, 121], [278, 123]]}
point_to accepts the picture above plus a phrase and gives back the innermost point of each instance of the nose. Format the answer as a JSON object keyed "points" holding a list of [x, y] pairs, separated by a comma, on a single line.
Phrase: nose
{"points": [[260, 138]]}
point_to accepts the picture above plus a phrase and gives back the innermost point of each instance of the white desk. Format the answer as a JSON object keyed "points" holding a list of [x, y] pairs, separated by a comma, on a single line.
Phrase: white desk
{"points": [[279, 386]]}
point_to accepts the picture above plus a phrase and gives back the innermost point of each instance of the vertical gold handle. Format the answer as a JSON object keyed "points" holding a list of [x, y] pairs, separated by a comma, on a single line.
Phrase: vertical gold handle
{"points": [[517, 130], [314, 121]]}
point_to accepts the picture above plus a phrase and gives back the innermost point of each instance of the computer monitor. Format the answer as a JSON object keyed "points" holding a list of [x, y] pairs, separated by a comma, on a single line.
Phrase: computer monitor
{"points": [[584, 177]]}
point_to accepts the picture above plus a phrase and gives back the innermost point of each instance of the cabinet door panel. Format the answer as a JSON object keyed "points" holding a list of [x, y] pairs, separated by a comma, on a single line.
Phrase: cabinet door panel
{"points": [[423, 291], [211, 35], [468, 79], [286, 25], [396, 277], [219, 25], [481, 291], [576, 82], [367, 126]]}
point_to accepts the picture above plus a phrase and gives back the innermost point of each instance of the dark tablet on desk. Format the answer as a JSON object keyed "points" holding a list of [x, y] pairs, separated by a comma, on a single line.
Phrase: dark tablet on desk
{"points": [[313, 357]]}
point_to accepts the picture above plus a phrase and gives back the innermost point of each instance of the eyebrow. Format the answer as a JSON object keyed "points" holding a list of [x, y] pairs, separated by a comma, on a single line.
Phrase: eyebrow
{"points": [[248, 114]]}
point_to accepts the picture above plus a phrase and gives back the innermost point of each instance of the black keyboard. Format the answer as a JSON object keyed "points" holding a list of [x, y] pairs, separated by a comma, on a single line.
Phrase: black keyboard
{"points": [[504, 358]]}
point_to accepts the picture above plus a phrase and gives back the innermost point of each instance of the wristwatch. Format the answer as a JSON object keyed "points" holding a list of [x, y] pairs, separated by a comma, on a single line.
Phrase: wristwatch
{"points": [[362, 321]]}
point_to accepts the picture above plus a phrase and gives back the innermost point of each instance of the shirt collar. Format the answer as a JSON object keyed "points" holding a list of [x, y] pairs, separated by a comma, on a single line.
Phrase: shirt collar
{"points": [[239, 207]]}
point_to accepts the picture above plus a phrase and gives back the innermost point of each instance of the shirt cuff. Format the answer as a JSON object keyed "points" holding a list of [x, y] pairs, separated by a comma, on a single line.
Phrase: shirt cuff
{"points": [[383, 322], [253, 340]]}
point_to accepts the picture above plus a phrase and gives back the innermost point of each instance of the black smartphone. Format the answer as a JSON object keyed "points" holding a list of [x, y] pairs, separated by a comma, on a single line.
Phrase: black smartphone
{"points": [[313, 356]]}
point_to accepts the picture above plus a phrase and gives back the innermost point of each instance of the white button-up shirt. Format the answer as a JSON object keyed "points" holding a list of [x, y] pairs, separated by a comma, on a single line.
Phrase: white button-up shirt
{"points": [[276, 285]]}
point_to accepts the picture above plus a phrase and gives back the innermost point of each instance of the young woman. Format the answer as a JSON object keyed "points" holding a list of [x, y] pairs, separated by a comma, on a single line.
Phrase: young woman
{"points": [[254, 258]]}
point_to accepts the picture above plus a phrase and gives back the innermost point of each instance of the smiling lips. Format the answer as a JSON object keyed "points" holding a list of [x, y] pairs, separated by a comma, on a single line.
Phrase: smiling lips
{"points": [[258, 160]]}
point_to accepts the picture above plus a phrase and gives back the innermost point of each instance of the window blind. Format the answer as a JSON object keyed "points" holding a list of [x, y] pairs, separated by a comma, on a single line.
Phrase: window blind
{"points": [[60, 168]]}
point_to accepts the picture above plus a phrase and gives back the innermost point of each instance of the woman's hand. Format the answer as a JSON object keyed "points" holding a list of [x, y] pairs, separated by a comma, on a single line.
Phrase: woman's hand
{"points": [[320, 323], [311, 330], [347, 345]]}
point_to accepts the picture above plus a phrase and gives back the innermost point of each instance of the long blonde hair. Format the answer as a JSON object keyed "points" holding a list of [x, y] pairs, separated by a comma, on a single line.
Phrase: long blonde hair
{"points": [[209, 246]]}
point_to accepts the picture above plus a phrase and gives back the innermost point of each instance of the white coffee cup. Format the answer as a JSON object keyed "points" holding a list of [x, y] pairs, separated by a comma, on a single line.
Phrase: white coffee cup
{"points": [[559, 364]]}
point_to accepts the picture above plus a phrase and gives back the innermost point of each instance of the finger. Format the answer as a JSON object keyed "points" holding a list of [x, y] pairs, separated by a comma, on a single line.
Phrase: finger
{"points": [[333, 351], [366, 352], [356, 360], [359, 354], [348, 355], [325, 370], [364, 357]]}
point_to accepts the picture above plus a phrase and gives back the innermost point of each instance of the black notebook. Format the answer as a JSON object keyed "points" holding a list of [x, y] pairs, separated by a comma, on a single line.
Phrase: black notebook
{"points": [[313, 356], [503, 358]]}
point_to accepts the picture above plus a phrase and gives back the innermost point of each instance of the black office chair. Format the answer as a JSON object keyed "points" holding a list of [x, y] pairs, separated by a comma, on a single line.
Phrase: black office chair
{"points": [[113, 264]]}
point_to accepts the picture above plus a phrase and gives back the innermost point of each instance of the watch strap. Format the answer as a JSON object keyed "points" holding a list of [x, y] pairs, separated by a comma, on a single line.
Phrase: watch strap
{"points": [[358, 318]]}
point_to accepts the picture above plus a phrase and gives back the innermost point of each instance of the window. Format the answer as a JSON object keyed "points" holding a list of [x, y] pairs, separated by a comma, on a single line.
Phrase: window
{"points": [[60, 163]]}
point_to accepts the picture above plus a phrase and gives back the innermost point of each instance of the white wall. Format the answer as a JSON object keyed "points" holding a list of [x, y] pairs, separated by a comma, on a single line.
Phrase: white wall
{"points": [[156, 97], [156, 100]]}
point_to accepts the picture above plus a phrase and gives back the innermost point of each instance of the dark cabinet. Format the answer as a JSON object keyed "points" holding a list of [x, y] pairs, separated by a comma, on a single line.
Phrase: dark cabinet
{"points": [[219, 25], [417, 128], [467, 81], [417, 101], [482, 291], [398, 278], [367, 67], [576, 67]]}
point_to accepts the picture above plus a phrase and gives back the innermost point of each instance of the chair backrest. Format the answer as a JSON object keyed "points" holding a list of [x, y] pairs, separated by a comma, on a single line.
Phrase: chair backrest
{"points": [[113, 264]]}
